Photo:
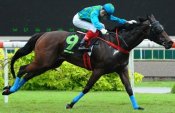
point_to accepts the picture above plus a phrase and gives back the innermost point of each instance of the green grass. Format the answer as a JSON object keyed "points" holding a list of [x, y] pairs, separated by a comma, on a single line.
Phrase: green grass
{"points": [[156, 84], [93, 102]]}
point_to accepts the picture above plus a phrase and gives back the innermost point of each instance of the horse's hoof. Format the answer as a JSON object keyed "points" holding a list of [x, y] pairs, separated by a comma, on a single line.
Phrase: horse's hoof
{"points": [[6, 87], [140, 108], [69, 106], [6, 92]]}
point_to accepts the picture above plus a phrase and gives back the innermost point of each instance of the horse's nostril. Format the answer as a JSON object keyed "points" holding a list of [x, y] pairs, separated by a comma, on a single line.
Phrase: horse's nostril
{"points": [[169, 44], [173, 44]]}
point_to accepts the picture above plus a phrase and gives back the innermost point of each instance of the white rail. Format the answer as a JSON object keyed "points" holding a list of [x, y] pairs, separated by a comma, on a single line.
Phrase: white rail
{"points": [[12, 44]]}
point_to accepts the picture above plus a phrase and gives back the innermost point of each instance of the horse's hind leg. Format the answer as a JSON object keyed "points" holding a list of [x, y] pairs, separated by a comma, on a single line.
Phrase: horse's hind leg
{"points": [[21, 72], [96, 74], [41, 70], [17, 81], [32, 70]]}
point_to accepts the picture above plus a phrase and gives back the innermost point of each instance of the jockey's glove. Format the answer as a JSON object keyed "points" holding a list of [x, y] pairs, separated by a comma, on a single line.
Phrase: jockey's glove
{"points": [[103, 31], [132, 22]]}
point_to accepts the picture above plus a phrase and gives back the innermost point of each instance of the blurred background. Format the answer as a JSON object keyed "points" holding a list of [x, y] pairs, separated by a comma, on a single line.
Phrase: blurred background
{"points": [[26, 17]]}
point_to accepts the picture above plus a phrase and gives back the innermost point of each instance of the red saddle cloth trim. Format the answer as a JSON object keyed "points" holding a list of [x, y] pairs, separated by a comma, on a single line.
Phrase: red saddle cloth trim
{"points": [[87, 61]]}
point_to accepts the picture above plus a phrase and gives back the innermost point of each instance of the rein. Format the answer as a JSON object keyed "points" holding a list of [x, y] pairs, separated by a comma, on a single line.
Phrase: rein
{"points": [[118, 37], [117, 47]]}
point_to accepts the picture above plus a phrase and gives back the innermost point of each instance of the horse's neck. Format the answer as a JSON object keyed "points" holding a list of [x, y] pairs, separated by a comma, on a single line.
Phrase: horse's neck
{"points": [[133, 38], [129, 39]]}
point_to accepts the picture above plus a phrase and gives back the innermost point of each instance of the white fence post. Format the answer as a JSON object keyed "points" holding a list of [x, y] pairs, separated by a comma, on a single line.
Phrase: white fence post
{"points": [[5, 72], [5, 46], [131, 68]]}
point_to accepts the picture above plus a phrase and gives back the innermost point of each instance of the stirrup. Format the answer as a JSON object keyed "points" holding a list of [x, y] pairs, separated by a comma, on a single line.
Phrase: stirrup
{"points": [[82, 48]]}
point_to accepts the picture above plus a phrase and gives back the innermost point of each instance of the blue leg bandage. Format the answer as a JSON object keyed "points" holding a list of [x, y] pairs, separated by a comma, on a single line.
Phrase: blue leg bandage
{"points": [[15, 85], [77, 98], [134, 102], [21, 83]]}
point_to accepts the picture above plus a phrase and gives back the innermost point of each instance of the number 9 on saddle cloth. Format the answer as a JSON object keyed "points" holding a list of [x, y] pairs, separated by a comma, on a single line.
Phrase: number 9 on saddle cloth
{"points": [[72, 43]]}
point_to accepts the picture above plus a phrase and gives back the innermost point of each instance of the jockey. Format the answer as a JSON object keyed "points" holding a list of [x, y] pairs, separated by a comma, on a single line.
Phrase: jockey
{"points": [[89, 19]]}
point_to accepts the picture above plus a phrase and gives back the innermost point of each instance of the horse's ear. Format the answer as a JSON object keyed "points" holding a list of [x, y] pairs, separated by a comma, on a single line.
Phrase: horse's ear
{"points": [[151, 18]]}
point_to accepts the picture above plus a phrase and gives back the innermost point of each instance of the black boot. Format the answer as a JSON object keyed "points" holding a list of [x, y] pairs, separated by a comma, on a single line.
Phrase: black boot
{"points": [[82, 46]]}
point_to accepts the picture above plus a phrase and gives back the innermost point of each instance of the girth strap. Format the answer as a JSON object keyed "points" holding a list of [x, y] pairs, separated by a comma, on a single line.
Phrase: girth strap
{"points": [[87, 61]]}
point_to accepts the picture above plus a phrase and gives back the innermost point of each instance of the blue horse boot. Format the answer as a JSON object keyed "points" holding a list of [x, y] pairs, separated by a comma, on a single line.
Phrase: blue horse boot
{"points": [[134, 103], [75, 100]]}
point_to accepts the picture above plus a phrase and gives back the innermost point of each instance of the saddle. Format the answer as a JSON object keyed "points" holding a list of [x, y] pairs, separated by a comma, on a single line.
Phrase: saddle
{"points": [[72, 42]]}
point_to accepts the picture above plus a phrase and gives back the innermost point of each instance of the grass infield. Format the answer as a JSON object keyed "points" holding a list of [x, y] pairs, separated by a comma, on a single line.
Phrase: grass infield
{"points": [[93, 102]]}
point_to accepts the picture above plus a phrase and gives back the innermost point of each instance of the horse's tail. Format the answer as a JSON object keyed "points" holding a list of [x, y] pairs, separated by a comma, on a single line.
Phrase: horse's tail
{"points": [[28, 48]]}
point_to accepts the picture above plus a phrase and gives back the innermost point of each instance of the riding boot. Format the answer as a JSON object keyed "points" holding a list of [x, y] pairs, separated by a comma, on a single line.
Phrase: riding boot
{"points": [[90, 34], [82, 45]]}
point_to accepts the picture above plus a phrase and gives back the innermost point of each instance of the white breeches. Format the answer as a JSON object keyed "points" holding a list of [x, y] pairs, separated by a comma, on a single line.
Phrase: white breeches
{"points": [[83, 24]]}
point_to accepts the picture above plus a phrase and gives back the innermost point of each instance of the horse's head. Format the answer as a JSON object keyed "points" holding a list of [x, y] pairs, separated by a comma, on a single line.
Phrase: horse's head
{"points": [[147, 28], [158, 34]]}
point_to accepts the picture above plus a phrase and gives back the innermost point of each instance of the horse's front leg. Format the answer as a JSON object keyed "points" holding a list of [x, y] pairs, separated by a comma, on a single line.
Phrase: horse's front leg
{"points": [[96, 74], [124, 76]]}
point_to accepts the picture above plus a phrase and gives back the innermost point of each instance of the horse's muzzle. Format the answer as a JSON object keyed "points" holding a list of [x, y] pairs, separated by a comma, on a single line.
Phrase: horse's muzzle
{"points": [[169, 45]]}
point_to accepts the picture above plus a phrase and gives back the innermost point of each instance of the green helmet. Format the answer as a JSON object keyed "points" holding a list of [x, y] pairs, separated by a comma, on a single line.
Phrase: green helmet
{"points": [[109, 8]]}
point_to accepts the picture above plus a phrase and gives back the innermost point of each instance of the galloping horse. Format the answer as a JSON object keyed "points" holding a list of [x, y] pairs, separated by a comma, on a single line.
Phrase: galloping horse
{"points": [[109, 54]]}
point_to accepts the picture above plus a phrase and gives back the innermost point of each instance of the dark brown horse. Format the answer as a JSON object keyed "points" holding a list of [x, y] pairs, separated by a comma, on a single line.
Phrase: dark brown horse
{"points": [[52, 48]]}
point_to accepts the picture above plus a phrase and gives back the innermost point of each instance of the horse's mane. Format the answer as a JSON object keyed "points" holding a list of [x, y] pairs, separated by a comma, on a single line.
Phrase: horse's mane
{"points": [[129, 27], [126, 27]]}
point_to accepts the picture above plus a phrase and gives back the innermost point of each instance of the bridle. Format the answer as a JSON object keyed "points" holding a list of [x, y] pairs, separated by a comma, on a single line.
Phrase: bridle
{"points": [[156, 29]]}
